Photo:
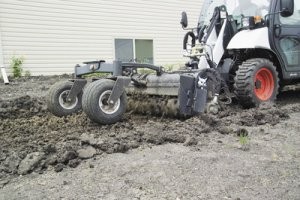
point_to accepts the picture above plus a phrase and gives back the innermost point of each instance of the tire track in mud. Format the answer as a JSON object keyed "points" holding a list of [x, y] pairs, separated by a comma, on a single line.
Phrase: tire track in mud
{"points": [[32, 139]]}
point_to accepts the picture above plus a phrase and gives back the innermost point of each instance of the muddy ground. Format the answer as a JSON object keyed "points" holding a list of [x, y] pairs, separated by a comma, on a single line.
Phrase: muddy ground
{"points": [[237, 154]]}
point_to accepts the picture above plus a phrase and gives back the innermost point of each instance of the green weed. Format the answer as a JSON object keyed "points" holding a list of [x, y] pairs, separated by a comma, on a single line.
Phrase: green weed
{"points": [[16, 66]]}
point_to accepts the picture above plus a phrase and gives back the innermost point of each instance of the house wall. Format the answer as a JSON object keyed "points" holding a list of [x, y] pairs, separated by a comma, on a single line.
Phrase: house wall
{"points": [[1, 51], [55, 35]]}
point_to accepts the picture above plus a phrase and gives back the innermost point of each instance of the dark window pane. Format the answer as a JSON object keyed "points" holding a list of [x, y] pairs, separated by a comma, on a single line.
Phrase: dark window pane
{"points": [[291, 49], [124, 50]]}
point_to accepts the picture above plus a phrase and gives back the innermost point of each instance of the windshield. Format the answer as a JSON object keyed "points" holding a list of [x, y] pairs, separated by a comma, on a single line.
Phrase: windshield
{"points": [[236, 8]]}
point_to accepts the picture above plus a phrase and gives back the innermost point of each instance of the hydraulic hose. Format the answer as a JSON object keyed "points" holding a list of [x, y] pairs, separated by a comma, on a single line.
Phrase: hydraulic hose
{"points": [[186, 37]]}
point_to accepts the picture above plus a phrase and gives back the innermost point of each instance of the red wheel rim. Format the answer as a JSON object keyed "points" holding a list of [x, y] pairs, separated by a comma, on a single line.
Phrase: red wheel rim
{"points": [[264, 84]]}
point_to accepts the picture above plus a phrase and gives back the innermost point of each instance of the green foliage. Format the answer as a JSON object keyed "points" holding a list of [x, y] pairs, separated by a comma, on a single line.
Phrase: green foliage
{"points": [[27, 73], [172, 67], [244, 140], [145, 71], [16, 65], [97, 75], [169, 67]]}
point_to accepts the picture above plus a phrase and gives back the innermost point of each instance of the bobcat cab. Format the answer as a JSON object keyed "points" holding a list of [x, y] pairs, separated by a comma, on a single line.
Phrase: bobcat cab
{"points": [[255, 45]]}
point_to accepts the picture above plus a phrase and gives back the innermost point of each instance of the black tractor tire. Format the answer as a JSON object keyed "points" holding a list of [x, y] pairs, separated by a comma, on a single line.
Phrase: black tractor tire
{"points": [[256, 81], [56, 100], [95, 105]]}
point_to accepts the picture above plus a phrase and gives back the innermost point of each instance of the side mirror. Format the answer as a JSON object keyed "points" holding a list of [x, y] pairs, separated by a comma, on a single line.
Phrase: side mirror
{"points": [[184, 20], [286, 8]]}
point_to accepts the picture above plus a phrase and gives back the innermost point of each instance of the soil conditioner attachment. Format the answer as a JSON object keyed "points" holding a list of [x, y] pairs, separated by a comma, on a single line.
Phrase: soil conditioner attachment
{"points": [[236, 51], [180, 93]]}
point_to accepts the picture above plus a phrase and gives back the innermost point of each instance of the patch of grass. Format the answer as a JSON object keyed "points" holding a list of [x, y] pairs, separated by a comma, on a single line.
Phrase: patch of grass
{"points": [[96, 75], [172, 67], [145, 71], [169, 67], [244, 140], [27, 73]]}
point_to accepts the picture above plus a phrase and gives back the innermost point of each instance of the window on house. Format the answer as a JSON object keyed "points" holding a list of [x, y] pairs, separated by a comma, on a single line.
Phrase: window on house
{"points": [[124, 50], [128, 50]]}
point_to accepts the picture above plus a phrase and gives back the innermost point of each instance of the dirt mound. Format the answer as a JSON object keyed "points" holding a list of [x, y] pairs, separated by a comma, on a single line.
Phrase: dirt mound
{"points": [[266, 113], [21, 107], [32, 139]]}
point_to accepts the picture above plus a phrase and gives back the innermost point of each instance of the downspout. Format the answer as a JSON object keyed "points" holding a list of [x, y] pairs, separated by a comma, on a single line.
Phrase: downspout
{"points": [[2, 68]]}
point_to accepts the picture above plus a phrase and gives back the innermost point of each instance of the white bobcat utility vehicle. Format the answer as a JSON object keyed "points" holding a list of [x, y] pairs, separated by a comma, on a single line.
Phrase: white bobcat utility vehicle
{"points": [[255, 45], [241, 49]]}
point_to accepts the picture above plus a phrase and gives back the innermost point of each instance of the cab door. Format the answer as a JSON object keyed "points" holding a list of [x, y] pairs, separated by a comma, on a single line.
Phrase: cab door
{"points": [[285, 34]]}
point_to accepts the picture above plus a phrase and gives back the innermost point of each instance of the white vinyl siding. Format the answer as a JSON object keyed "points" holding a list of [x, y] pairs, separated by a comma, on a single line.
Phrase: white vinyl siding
{"points": [[55, 35]]}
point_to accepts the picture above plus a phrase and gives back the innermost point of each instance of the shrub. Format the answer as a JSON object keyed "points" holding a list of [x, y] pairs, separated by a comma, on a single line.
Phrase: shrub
{"points": [[16, 65]]}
